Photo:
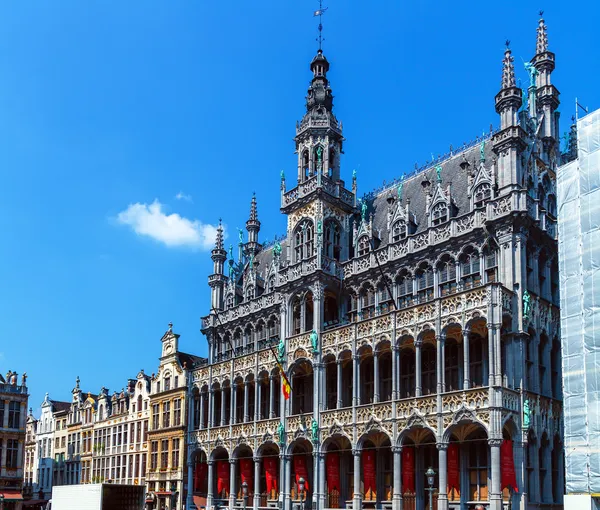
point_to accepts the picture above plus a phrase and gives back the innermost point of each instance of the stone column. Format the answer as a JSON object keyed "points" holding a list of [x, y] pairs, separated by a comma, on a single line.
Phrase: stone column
{"points": [[418, 367], [246, 416], [211, 408], [443, 476], [466, 371], [232, 494], [257, 461], [271, 396], [355, 375], [496, 491], [357, 382], [397, 493], [233, 403], [323, 503], [223, 422], [375, 377], [340, 402], [211, 483], [189, 504], [440, 385], [257, 398], [394, 372], [491, 356], [286, 482], [357, 499], [201, 424]]}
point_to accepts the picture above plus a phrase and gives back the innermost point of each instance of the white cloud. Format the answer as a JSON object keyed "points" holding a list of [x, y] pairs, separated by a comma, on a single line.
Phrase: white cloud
{"points": [[182, 196], [173, 230]]}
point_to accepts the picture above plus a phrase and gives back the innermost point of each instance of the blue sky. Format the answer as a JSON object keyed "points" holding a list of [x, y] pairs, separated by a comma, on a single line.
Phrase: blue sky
{"points": [[162, 116]]}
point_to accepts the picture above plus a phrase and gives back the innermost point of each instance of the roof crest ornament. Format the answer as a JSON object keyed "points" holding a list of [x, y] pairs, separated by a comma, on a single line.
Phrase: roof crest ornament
{"points": [[320, 13], [542, 36]]}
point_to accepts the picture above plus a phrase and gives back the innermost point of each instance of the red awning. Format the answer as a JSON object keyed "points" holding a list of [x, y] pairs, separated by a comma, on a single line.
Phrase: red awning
{"points": [[12, 496]]}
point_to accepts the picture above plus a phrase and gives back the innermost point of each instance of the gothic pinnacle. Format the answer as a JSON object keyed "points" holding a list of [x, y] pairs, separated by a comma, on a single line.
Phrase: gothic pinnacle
{"points": [[253, 210], [542, 36], [219, 238], [508, 68]]}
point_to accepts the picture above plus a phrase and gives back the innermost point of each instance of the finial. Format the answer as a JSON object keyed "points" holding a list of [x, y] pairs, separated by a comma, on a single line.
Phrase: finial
{"points": [[507, 43], [282, 174], [542, 36], [320, 13], [253, 208], [170, 327], [508, 69], [30, 411], [219, 238], [354, 174], [77, 381]]}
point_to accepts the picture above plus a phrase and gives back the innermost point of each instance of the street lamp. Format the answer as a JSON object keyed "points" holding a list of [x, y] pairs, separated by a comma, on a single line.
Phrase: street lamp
{"points": [[430, 474], [245, 493], [301, 486]]}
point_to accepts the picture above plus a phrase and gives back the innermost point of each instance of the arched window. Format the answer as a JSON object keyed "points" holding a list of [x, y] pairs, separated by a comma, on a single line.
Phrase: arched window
{"points": [[367, 302], [139, 403], [352, 307], [333, 248], [261, 334], [447, 275], [424, 284], [385, 298], [363, 246], [541, 195], [530, 462], [305, 164], [476, 360], [249, 292], [407, 373], [404, 289], [304, 241], [273, 326], [451, 362], [542, 262], [470, 268], [428, 374], [399, 231], [331, 163], [302, 388], [270, 284], [439, 213], [491, 264], [229, 301], [482, 194], [248, 339], [551, 209]]}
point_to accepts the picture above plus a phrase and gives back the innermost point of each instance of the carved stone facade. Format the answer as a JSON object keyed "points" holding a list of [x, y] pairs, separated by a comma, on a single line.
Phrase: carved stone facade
{"points": [[418, 327]]}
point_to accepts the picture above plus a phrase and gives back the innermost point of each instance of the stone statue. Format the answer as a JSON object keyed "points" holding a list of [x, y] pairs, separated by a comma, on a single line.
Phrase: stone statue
{"points": [[438, 171], [281, 350], [526, 414], [314, 431], [24, 379], [241, 235], [482, 150], [314, 340], [280, 433], [13, 379], [282, 175], [319, 227], [8, 375], [400, 188], [526, 304], [363, 209], [231, 251], [251, 260], [354, 174], [277, 248]]}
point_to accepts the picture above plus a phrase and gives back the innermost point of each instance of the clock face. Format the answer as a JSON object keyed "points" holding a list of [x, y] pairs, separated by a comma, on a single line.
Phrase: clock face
{"points": [[168, 347]]}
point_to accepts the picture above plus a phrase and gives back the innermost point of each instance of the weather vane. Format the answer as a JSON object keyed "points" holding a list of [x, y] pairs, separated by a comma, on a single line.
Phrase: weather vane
{"points": [[320, 13]]}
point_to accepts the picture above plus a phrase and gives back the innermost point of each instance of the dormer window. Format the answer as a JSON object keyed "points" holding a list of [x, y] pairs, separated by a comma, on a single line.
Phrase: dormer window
{"points": [[249, 293], [230, 301], [399, 231], [363, 246], [439, 214], [482, 194]]}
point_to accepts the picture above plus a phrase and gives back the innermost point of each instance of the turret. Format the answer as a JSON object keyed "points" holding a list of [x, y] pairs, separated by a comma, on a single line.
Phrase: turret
{"points": [[509, 142], [546, 94], [253, 228], [216, 281]]}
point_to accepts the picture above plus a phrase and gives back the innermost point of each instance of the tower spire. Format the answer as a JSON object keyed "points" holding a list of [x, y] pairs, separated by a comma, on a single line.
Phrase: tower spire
{"points": [[508, 68], [253, 228], [542, 36], [219, 238]]}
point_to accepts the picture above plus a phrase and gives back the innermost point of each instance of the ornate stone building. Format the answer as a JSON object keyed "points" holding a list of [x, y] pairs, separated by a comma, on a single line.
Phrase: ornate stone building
{"points": [[418, 327], [13, 418]]}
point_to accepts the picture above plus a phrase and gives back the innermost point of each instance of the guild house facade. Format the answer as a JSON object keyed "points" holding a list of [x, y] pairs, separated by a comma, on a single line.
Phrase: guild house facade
{"points": [[417, 326]]}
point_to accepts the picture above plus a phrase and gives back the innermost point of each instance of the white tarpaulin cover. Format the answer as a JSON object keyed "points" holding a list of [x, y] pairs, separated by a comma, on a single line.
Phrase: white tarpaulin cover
{"points": [[578, 187]]}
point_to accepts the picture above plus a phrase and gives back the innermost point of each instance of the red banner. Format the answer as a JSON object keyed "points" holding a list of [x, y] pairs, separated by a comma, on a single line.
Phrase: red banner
{"points": [[300, 469], [246, 473], [453, 467], [369, 471], [507, 465], [270, 465], [408, 469], [200, 476], [222, 476], [333, 471]]}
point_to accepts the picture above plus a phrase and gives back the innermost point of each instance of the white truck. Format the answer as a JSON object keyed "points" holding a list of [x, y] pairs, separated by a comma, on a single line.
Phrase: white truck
{"points": [[97, 496]]}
